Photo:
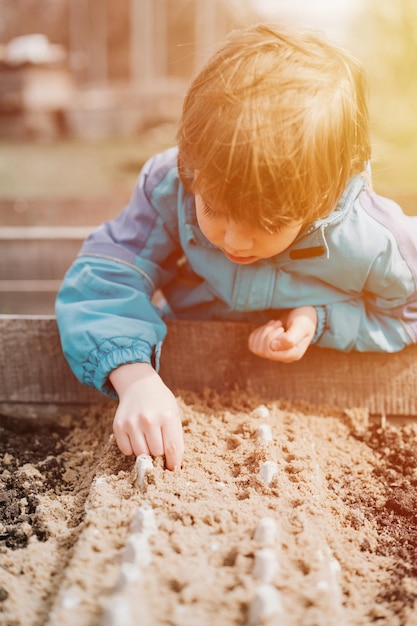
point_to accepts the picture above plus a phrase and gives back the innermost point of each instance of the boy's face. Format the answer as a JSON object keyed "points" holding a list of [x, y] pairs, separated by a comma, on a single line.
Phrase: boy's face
{"points": [[239, 243]]}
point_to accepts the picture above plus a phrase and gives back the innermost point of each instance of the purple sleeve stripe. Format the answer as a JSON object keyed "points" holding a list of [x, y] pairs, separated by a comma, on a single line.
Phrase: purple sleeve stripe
{"points": [[404, 229]]}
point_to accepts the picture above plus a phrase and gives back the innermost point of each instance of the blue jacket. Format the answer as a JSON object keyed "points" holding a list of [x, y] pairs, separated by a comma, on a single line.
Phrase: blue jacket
{"points": [[358, 267]]}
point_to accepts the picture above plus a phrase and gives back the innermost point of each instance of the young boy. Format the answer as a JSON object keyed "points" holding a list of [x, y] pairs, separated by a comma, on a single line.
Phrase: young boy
{"points": [[264, 213]]}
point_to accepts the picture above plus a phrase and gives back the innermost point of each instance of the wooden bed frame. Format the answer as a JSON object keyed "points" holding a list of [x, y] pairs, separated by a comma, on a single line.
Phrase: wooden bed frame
{"points": [[35, 379]]}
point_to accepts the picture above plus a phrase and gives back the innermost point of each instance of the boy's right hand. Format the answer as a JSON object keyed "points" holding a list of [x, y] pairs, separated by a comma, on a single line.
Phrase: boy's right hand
{"points": [[147, 419]]}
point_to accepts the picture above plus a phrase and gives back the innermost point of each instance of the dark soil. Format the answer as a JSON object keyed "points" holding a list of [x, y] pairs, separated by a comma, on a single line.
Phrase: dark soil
{"points": [[40, 445]]}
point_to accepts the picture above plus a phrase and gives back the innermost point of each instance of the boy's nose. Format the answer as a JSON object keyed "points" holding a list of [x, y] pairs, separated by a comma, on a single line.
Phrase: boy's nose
{"points": [[237, 239]]}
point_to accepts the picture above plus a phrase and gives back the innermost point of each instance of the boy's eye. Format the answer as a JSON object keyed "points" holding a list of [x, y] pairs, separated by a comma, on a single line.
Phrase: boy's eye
{"points": [[207, 210]]}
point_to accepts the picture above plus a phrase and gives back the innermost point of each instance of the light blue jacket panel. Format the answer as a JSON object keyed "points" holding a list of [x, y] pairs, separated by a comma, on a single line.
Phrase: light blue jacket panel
{"points": [[358, 267]]}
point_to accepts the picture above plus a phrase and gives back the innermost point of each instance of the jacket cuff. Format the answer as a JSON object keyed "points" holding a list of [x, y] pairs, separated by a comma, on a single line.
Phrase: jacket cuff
{"points": [[109, 355], [321, 322]]}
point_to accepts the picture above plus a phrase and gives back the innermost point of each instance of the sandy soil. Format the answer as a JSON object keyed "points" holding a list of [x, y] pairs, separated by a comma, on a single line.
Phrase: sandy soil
{"points": [[316, 526]]}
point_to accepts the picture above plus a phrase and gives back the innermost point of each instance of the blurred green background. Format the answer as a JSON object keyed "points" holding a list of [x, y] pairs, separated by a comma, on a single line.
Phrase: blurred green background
{"points": [[387, 43]]}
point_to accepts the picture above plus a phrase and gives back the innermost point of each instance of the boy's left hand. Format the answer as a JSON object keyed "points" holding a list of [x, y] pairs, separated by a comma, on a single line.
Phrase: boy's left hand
{"points": [[285, 340]]}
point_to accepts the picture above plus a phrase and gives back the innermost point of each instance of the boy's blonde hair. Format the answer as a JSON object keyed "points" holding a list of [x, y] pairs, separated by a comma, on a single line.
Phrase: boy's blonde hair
{"points": [[274, 126]]}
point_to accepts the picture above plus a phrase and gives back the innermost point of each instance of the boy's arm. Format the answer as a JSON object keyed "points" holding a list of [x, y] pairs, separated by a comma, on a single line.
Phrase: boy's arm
{"points": [[343, 326], [382, 316], [110, 334], [110, 331], [354, 325]]}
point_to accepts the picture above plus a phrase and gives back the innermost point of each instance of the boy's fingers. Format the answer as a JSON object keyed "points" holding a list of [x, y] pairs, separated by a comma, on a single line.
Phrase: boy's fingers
{"points": [[124, 444], [154, 442], [283, 342], [260, 337], [173, 444], [294, 353], [274, 324], [139, 444], [297, 333]]}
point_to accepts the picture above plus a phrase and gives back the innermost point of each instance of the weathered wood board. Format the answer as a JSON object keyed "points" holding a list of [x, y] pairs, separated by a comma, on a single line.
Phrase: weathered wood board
{"points": [[60, 211], [196, 355], [33, 262]]}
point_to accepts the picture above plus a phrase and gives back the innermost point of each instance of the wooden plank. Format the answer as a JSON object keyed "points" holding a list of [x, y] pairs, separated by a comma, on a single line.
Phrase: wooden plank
{"points": [[60, 211], [199, 355], [29, 295], [30, 285], [33, 262], [47, 233], [21, 301], [36, 252]]}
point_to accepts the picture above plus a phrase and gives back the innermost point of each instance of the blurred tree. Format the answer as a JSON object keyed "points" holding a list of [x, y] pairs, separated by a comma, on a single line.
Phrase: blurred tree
{"points": [[118, 39], [23, 17], [100, 34], [386, 40], [390, 54]]}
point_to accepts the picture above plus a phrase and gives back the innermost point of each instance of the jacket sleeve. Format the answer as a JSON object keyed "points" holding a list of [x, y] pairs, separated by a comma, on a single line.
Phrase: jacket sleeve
{"points": [[380, 311], [104, 307], [351, 326]]}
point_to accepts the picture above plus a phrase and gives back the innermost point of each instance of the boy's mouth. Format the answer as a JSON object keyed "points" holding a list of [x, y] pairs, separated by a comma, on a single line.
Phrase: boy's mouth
{"points": [[240, 259]]}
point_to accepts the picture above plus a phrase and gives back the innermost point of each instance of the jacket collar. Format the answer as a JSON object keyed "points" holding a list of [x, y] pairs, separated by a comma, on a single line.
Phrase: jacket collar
{"points": [[311, 241]]}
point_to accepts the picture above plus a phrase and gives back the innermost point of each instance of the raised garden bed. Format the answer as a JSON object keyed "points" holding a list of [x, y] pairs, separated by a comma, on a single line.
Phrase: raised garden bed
{"points": [[295, 504]]}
